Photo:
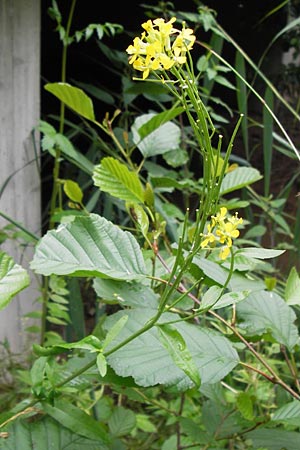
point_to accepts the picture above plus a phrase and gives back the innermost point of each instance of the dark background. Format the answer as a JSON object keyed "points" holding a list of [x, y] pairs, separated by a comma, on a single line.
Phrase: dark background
{"points": [[239, 18]]}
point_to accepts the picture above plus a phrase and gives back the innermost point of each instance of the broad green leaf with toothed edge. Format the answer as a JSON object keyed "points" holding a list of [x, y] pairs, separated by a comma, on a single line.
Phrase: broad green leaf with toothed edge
{"points": [[146, 359], [114, 177], [266, 312], [89, 247], [13, 279]]}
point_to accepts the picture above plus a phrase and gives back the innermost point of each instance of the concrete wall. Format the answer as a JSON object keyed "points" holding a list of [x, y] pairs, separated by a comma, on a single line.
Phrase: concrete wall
{"points": [[19, 114]]}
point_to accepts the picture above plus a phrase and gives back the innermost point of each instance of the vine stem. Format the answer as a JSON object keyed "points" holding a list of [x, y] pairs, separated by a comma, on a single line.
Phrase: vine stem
{"points": [[56, 167]]}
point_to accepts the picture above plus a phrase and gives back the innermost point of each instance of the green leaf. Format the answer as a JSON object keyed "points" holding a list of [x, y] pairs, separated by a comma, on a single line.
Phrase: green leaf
{"points": [[159, 141], [149, 363], [114, 177], [128, 294], [219, 274], [274, 439], [266, 311], [73, 191], [176, 347], [76, 420], [157, 121], [288, 414], [89, 246], [224, 82], [259, 253], [244, 404], [143, 423], [230, 298], [211, 296], [114, 331], [74, 98], [90, 342], [47, 434], [13, 279], [239, 178], [140, 217], [292, 288], [121, 422], [101, 364]]}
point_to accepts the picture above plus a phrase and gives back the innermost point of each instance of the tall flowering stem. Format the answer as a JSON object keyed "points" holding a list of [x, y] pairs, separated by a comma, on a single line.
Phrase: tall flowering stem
{"points": [[163, 52]]}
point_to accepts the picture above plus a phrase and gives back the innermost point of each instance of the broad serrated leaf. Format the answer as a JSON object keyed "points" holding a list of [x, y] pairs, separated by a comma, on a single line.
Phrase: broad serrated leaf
{"points": [[266, 311], [121, 422], [132, 294], [292, 288], [271, 439], [89, 246], [149, 363], [114, 177], [177, 349], [13, 279], [74, 98], [48, 434], [159, 141], [239, 178], [288, 414]]}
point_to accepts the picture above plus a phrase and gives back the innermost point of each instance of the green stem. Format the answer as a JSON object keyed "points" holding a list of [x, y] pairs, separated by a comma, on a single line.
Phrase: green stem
{"points": [[56, 168]]}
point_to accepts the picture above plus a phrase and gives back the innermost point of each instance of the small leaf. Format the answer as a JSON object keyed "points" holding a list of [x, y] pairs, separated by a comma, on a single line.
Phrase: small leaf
{"points": [[159, 141], [139, 216], [176, 347], [73, 191], [13, 279], [239, 178], [210, 297], [114, 331], [158, 120], [121, 422], [230, 298], [74, 98], [101, 364], [114, 177], [292, 288], [245, 405]]}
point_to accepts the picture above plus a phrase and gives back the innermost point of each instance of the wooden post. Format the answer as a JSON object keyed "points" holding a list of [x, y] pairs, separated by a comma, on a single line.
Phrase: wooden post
{"points": [[19, 163]]}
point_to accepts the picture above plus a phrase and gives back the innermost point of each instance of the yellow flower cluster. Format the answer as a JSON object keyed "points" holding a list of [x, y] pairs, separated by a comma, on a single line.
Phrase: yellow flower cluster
{"points": [[222, 229], [160, 47]]}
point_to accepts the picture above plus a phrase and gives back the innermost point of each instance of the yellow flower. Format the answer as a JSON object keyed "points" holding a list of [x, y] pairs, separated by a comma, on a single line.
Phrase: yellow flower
{"points": [[222, 229], [154, 50]]}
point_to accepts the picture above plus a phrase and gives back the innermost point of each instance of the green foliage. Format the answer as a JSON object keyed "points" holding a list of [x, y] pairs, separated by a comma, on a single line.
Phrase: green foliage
{"points": [[195, 332]]}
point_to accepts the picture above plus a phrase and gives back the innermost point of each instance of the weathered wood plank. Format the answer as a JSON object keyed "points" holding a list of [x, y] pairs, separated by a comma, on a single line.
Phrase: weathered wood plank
{"points": [[19, 114]]}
